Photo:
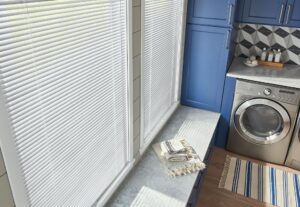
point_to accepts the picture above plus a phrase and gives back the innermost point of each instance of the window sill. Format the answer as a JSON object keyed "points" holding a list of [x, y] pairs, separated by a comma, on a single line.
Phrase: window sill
{"points": [[149, 182]]}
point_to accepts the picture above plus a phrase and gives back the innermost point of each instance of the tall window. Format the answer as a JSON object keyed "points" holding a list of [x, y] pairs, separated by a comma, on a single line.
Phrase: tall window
{"points": [[161, 54], [63, 98]]}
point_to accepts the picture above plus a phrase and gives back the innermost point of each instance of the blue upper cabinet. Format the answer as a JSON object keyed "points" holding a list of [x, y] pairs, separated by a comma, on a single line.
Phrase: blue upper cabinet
{"points": [[264, 11], [206, 54], [292, 14], [273, 12], [211, 12]]}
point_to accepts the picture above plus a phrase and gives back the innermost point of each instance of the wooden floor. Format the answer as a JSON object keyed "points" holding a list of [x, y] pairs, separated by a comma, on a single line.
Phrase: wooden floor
{"points": [[212, 196]]}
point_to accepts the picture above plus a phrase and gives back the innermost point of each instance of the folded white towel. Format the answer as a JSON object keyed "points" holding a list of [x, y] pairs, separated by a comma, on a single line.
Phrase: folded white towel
{"points": [[177, 157], [174, 146]]}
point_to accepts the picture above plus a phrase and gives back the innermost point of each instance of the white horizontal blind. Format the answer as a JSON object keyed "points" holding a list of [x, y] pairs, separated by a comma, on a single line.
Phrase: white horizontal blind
{"points": [[64, 80], [161, 52]]}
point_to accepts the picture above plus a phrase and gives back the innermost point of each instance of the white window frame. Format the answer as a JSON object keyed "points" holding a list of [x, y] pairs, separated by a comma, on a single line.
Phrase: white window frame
{"points": [[11, 157], [144, 145], [114, 186]]}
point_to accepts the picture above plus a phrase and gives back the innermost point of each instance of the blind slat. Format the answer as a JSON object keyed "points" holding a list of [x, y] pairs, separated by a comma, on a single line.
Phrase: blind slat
{"points": [[161, 52], [64, 77]]}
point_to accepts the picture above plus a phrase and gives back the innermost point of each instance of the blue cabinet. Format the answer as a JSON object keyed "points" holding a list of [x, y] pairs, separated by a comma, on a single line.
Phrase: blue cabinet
{"points": [[273, 12], [292, 14], [205, 66], [209, 50], [224, 123], [211, 12], [264, 11]]}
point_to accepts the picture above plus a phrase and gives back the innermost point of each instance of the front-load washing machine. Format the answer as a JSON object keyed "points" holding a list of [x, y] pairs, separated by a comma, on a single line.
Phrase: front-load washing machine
{"points": [[293, 158], [262, 120]]}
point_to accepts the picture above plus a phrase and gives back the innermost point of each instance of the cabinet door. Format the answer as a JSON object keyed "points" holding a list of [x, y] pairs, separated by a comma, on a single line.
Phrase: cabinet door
{"points": [[292, 14], [211, 12], [264, 11], [224, 122], [206, 54]]}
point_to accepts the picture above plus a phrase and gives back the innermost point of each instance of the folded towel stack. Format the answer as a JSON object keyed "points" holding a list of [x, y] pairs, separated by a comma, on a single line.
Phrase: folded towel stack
{"points": [[179, 157], [174, 151]]}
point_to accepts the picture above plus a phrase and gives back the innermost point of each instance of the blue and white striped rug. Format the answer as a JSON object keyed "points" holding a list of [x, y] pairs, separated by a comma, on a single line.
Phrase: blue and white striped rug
{"points": [[260, 182]]}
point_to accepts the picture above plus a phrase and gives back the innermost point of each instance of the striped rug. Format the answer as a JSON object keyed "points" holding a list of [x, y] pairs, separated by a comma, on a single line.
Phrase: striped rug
{"points": [[260, 182]]}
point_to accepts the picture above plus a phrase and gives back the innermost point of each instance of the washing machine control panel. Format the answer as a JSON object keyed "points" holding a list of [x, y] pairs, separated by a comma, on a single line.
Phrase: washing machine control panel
{"points": [[288, 96], [277, 93]]}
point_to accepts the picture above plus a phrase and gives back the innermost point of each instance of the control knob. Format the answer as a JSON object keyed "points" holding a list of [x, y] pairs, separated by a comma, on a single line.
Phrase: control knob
{"points": [[267, 91]]}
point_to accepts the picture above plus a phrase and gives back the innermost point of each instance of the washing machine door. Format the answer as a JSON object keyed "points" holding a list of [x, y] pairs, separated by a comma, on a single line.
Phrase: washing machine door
{"points": [[262, 121]]}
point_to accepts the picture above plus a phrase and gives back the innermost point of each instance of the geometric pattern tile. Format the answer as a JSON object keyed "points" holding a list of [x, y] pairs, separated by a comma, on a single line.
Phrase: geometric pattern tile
{"points": [[291, 62], [277, 46], [252, 38], [295, 38], [249, 29], [294, 57], [265, 31], [246, 44], [296, 33], [281, 32], [294, 49], [265, 34], [281, 36], [261, 45]]}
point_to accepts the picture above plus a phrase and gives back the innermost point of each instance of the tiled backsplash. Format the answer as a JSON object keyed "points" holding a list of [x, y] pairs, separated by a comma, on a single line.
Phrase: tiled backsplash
{"points": [[252, 38]]}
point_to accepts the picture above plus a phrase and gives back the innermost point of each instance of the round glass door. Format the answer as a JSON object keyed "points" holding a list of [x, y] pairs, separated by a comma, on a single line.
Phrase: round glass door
{"points": [[262, 121]]}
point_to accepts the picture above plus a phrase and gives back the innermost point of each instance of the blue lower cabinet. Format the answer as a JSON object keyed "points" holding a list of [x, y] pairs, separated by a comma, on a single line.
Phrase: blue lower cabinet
{"points": [[224, 123], [205, 63]]}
